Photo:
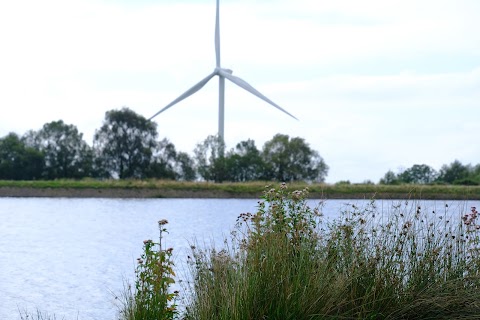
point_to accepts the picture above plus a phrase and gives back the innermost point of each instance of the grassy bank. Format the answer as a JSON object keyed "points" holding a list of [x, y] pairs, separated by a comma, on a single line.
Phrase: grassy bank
{"points": [[176, 189]]}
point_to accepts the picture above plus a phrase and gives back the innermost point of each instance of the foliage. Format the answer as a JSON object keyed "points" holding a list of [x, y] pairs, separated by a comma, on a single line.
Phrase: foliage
{"points": [[418, 174], [18, 161], [125, 142], [454, 171], [286, 262], [66, 154], [151, 298], [291, 159], [210, 159], [163, 161], [244, 163], [467, 181], [185, 167], [242, 280], [390, 178], [167, 163], [126, 147]]}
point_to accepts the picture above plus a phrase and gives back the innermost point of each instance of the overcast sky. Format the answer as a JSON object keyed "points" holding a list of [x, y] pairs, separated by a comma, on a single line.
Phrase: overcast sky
{"points": [[377, 85]]}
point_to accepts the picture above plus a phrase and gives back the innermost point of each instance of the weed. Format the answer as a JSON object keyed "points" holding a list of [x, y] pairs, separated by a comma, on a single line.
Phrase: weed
{"points": [[151, 298]]}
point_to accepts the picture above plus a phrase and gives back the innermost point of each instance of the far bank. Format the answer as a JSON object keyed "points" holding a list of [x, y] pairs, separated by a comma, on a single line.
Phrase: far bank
{"points": [[173, 189]]}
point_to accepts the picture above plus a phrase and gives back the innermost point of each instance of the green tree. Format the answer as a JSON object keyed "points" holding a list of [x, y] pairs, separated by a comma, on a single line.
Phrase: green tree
{"points": [[244, 163], [65, 152], [475, 174], [18, 161], [124, 144], [185, 167], [290, 159], [210, 159], [389, 178], [453, 172], [163, 161], [418, 174]]}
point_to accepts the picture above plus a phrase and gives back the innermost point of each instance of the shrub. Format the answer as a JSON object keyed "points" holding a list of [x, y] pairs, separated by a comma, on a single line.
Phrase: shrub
{"points": [[466, 182]]}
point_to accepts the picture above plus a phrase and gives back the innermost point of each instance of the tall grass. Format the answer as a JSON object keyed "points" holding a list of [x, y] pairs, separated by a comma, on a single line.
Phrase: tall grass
{"points": [[38, 315], [287, 262]]}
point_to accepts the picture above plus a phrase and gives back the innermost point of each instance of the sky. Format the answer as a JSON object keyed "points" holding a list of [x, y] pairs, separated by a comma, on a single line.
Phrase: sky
{"points": [[377, 85]]}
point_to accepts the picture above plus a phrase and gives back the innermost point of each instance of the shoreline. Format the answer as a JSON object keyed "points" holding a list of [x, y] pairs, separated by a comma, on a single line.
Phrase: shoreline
{"points": [[158, 193]]}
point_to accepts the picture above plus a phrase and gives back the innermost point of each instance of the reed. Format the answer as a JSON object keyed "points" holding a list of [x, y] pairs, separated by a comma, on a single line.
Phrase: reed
{"points": [[287, 262]]}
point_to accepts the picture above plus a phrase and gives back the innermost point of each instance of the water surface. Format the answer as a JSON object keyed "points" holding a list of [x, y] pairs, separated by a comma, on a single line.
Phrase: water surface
{"points": [[71, 256]]}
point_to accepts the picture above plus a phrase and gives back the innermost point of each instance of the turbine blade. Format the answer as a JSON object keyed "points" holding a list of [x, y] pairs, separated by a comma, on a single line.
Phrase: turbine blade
{"points": [[217, 36], [187, 93], [243, 84]]}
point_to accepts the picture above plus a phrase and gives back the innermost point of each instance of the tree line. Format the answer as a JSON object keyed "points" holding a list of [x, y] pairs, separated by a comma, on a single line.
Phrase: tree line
{"points": [[453, 173], [127, 146]]}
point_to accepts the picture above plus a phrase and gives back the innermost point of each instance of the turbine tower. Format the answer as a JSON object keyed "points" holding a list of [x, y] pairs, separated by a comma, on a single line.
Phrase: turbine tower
{"points": [[222, 75]]}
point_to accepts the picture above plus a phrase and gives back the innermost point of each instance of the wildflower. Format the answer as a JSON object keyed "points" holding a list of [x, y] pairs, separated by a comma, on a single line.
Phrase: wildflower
{"points": [[162, 222], [407, 225]]}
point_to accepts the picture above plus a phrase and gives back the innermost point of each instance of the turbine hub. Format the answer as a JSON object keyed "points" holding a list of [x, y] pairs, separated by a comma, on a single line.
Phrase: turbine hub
{"points": [[218, 69]]}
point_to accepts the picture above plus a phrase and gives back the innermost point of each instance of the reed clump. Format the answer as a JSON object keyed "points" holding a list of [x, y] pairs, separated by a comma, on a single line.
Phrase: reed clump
{"points": [[286, 261]]}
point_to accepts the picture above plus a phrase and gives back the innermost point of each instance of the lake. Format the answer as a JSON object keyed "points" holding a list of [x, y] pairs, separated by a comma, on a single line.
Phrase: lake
{"points": [[71, 256]]}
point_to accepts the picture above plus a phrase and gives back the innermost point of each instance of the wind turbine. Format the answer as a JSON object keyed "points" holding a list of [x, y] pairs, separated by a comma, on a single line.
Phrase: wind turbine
{"points": [[222, 75]]}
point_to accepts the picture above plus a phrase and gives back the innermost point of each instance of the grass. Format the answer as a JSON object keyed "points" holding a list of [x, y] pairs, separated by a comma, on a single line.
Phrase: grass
{"points": [[38, 315], [285, 262], [254, 189]]}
